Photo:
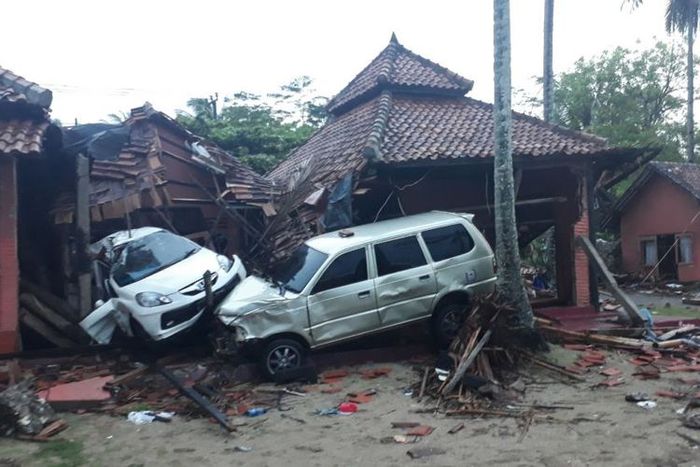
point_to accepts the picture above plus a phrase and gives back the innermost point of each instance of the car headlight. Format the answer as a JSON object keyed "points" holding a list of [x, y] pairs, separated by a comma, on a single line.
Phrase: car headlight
{"points": [[151, 299], [225, 262]]}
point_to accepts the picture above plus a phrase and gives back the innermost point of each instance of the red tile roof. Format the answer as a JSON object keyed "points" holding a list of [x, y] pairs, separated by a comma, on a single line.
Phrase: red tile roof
{"points": [[683, 174], [23, 114], [396, 67], [425, 128], [21, 137]]}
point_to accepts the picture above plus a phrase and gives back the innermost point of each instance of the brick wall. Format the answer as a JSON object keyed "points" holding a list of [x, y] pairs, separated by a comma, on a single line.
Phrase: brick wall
{"points": [[9, 267], [582, 289]]}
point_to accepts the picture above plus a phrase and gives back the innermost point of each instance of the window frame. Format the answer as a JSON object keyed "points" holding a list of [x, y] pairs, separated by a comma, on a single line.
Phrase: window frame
{"points": [[421, 245], [456, 224], [319, 275], [678, 249], [642, 250]]}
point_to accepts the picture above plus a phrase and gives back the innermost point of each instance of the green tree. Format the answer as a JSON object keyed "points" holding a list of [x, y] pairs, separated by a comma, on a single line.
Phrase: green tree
{"points": [[259, 129], [632, 98], [510, 284], [682, 16]]}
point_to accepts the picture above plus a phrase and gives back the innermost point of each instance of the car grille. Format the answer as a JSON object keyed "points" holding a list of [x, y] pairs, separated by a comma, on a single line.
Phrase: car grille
{"points": [[172, 318]]}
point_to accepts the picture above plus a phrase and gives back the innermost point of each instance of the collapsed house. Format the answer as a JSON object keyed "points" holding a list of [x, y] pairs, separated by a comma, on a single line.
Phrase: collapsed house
{"points": [[67, 188], [404, 138], [151, 171], [658, 221]]}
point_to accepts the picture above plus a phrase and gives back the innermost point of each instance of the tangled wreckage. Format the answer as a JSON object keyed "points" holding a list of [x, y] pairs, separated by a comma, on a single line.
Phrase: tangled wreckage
{"points": [[158, 227]]}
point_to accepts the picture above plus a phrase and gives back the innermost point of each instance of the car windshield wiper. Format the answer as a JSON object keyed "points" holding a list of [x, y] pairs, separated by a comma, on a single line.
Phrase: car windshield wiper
{"points": [[190, 253]]}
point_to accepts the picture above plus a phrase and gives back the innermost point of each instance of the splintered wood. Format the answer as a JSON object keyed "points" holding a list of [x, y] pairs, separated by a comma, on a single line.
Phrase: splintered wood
{"points": [[469, 377]]}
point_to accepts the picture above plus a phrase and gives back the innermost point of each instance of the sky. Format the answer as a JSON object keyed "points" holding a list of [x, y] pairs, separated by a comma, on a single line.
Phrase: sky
{"points": [[103, 57]]}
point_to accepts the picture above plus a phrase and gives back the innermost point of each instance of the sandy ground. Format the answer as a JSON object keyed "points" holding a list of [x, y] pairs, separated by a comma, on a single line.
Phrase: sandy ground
{"points": [[602, 429]]}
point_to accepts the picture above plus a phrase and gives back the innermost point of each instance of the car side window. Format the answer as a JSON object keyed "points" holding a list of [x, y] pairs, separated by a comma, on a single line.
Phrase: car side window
{"points": [[398, 255], [346, 269], [448, 242]]}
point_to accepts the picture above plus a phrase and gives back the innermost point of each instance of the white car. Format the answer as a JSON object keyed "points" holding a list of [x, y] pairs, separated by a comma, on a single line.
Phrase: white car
{"points": [[156, 284]]}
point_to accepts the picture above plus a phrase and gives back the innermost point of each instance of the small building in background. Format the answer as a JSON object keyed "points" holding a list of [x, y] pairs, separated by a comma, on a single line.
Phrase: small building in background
{"points": [[659, 217]]}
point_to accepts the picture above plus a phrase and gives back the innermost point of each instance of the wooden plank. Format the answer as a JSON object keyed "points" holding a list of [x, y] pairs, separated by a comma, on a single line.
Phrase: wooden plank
{"points": [[57, 304], [36, 307], [620, 296], [464, 365], [82, 218], [43, 329]]}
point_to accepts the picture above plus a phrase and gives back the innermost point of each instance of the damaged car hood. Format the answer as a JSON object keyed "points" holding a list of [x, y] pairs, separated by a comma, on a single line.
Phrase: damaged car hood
{"points": [[250, 295]]}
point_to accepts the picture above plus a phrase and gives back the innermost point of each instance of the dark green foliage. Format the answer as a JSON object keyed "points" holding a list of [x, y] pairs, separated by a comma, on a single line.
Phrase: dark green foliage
{"points": [[261, 130]]}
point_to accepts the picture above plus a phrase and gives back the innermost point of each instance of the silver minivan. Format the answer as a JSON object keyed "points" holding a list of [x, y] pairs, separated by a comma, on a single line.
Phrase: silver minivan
{"points": [[350, 283]]}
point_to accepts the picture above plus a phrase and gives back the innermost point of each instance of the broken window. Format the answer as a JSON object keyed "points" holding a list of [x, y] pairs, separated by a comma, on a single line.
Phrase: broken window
{"points": [[448, 242], [649, 252], [346, 269], [684, 250], [398, 255]]}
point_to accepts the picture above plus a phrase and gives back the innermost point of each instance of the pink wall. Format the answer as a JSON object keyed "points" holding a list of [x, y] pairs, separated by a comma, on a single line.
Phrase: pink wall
{"points": [[9, 268], [659, 208]]}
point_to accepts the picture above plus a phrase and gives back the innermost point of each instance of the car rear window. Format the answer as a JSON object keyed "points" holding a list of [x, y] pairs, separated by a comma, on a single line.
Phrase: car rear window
{"points": [[347, 268], [448, 242], [398, 255]]}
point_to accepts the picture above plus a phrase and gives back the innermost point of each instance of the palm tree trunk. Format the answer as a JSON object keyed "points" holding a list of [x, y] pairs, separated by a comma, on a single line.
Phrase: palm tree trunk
{"points": [[690, 135], [510, 284], [548, 74]]}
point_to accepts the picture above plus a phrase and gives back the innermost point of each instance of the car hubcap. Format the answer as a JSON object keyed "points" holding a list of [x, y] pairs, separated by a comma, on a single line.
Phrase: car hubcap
{"points": [[282, 358]]}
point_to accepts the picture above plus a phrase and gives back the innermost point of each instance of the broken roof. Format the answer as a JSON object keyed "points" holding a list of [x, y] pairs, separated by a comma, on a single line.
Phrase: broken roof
{"points": [[682, 174], [127, 163], [24, 118]]}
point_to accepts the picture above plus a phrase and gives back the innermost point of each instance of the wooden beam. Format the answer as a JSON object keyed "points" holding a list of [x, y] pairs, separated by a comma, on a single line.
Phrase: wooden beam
{"points": [[82, 215], [525, 202], [36, 307], [43, 329], [620, 296]]}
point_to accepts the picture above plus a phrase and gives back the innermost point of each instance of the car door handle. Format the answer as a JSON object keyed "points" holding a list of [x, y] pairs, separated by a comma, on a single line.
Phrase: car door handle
{"points": [[364, 294], [424, 278]]}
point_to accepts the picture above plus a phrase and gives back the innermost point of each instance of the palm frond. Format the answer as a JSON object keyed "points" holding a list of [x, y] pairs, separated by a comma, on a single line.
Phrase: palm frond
{"points": [[682, 15]]}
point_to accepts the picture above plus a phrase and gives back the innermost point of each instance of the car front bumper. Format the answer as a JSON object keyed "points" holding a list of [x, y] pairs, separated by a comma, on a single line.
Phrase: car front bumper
{"points": [[164, 324]]}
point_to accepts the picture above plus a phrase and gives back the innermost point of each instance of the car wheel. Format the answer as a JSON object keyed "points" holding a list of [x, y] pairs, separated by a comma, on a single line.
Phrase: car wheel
{"points": [[281, 355], [447, 320]]}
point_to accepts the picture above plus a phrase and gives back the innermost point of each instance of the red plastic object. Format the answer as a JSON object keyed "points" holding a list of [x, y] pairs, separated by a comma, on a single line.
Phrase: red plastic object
{"points": [[347, 408]]}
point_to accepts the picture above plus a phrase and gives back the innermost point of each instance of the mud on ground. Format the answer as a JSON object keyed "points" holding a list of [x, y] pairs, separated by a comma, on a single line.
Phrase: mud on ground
{"points": [[602, 429]]}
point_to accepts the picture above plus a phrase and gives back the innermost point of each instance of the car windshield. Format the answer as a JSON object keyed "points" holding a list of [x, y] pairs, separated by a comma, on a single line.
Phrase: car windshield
{"points": [[146, 256], [299, 268]]}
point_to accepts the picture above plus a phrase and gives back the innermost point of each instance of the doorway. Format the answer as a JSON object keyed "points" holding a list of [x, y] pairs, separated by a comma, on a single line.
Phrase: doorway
{"points": [[668, 267]]}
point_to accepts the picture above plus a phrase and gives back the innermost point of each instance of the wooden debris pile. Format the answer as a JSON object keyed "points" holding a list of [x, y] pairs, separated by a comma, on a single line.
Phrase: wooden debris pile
{"points": [[482, 361]]}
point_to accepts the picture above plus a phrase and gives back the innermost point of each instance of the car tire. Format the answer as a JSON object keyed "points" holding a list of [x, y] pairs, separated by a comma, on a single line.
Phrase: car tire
{"points": [[281, 355], [447, 320]]}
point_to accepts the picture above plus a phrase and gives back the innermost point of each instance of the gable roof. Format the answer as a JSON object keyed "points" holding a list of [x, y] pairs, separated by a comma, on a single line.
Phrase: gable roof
{"points": [[682, 174], [395, 68]]}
